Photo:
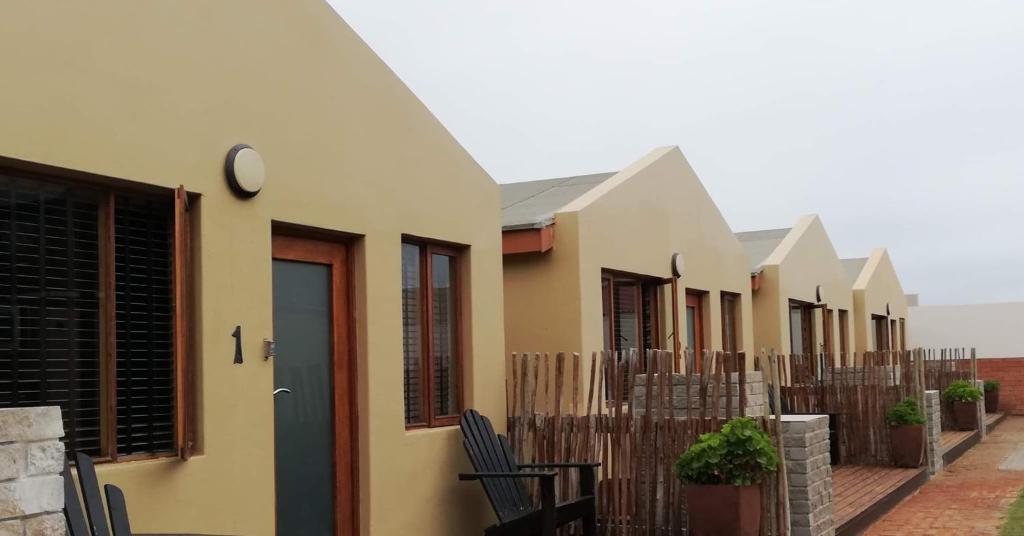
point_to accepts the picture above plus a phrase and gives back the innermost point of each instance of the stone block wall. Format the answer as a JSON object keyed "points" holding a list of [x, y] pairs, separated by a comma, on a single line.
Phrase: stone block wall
{"points": [[933, 437], [809, 474], [31, 461], [755, 393], [982, 429]]}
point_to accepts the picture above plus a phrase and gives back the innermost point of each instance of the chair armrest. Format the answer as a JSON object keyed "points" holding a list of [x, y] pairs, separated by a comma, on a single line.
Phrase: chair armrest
{"points": [[521, 474], [579, 465]]}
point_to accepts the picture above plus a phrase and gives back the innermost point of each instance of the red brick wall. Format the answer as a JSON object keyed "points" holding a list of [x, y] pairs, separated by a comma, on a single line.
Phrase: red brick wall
{"points": [[1010, 373]]}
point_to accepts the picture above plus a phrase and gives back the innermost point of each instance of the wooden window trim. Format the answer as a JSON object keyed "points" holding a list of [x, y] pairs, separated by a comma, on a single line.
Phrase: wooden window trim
{"points": [[427, 250], [644, 284], [735, 299], [106, 189]]}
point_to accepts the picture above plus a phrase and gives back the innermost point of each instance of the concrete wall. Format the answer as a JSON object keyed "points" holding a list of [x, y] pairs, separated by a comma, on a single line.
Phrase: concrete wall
{"points": [[632, 222], [156, 93], [877, 286], [803, 260], [994, 329]]}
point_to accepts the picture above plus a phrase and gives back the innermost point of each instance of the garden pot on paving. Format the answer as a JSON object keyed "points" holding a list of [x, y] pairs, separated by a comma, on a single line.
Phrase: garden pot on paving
{"points": [[965, 415], [715, 510], [907, 445], [992, 401]]}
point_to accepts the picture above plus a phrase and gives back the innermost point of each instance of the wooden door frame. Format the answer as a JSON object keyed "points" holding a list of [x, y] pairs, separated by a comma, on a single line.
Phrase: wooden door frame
{"points": [[338, 256]]}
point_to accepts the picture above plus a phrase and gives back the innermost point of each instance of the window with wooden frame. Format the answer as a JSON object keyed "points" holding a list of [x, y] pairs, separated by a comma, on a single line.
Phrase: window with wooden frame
{"points": [[695, 330], [844, 327], [629, 309], [881, 328], [903, 334], [730, 322], [95, 317], [801, 328], [431, 334]]}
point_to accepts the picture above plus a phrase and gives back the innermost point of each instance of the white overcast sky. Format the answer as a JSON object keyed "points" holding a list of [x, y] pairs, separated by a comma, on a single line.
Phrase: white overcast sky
{"points": [[900, 123]]}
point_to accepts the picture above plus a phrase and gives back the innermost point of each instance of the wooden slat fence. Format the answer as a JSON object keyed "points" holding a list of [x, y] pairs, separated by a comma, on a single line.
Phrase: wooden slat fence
{"points": [[855, 390], [560, 409], [942, 367]]}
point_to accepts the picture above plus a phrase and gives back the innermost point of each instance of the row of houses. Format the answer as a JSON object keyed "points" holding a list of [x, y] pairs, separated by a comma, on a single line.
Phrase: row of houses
{"points": [[642, 258], [288, 350]]}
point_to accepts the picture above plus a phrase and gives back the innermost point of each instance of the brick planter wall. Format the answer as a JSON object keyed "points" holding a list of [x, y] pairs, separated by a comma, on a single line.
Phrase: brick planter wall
{"points": [[1010, 374], [809, 473], [933, 437], [31, 460]]}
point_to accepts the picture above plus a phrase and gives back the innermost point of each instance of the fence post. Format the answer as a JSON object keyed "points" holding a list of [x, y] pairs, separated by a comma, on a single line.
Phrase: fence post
{"points": [[980, 384], [809, 472]]}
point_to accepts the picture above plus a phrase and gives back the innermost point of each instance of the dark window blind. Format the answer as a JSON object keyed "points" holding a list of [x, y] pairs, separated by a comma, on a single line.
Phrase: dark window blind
{"points": [[143, 254], [443, 331], [412, 335], [49, 304]]}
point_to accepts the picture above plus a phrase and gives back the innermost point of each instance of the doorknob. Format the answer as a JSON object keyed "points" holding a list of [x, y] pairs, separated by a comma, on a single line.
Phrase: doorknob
{"points": [[282, 390]]}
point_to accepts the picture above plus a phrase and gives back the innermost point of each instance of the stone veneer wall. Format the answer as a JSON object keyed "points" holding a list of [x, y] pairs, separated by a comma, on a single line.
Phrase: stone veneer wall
{"points": [[933, 439], [982, 429], [755, 394], [31, 462], [809, 474]]}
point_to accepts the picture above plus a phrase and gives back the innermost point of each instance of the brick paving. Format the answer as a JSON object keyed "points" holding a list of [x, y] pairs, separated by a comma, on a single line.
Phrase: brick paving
{"points": [[969, 497]]}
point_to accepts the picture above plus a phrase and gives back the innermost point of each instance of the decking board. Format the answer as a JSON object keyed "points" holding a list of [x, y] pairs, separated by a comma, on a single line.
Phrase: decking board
{"points": [[861, 494]]}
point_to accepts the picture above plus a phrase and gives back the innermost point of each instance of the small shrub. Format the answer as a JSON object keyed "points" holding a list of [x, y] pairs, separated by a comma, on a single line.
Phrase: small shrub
{"points": [[991, 385], [962, 391], [905, 412], [741, 454]]}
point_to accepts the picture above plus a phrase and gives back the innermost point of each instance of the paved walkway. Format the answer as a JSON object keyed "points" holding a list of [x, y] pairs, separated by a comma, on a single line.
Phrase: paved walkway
{"points": [[970, 497]]}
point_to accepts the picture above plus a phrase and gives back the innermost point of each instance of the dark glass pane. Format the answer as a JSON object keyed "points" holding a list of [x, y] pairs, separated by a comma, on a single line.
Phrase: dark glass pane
{"points": [[625, 294], [49, 304], [412, 334], [649, 303], [304, 419], [443, 329], [729, 336], [691, 338], [143, 254], [796, 330], [606, 312]]}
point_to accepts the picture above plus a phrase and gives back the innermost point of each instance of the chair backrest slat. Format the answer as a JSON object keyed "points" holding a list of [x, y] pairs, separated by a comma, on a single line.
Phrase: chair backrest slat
{"points": [[91, 495], [490, 453], [77, 526], [118, 510]]}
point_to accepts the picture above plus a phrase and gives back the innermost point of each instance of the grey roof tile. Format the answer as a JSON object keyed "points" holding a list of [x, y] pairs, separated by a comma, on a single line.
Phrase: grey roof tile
{"points": [[532, 204], [760, 244]]}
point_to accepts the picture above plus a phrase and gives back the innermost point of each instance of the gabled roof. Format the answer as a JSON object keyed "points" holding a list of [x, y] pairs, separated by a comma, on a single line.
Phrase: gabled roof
{"points": [[532, 204], [854, 267], [760, 244]]}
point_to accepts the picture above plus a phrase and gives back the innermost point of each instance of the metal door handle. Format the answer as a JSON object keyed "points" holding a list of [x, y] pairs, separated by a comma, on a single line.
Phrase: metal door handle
{"points": [[282, 390]]}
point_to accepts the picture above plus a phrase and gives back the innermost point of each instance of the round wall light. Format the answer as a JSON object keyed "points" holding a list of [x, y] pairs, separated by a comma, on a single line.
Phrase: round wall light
{"points": [[678, 265], [245, 171]]}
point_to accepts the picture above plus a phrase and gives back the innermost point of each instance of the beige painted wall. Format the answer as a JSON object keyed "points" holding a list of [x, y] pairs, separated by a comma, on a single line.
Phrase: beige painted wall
{"points": [[157, 92], [877, 285], [632, 222], [801, 262]]}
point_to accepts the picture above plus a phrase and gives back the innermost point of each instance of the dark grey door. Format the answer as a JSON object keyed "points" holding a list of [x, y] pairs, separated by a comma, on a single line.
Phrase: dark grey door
{"points": [[304, 439]]}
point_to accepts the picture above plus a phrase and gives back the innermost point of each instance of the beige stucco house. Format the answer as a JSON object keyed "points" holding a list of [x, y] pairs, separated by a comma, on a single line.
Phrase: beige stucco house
{"points": [[371, 255], [879, 303], [589, 263], [803, 300]]}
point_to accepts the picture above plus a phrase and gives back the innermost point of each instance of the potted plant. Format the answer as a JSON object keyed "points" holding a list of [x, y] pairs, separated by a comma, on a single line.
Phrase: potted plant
{"points": [[964, 398], [723, 472], [906, 433], [991, 396]]}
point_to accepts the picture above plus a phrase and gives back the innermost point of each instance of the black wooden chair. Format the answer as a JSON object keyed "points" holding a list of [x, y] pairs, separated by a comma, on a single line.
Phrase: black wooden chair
{"points": [[93, 522], [496, 468]]}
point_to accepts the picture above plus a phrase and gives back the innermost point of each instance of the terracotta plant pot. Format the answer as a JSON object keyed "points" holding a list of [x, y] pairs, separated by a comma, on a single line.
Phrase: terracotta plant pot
{"points": [[717, 510], [965, 415], [992, 401], [907, 445]]}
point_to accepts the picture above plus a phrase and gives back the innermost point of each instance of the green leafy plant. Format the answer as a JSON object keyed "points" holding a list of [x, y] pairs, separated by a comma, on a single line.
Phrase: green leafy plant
{"points": [[962, 391], [991, 385], [740, 455], [905, 412]]}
